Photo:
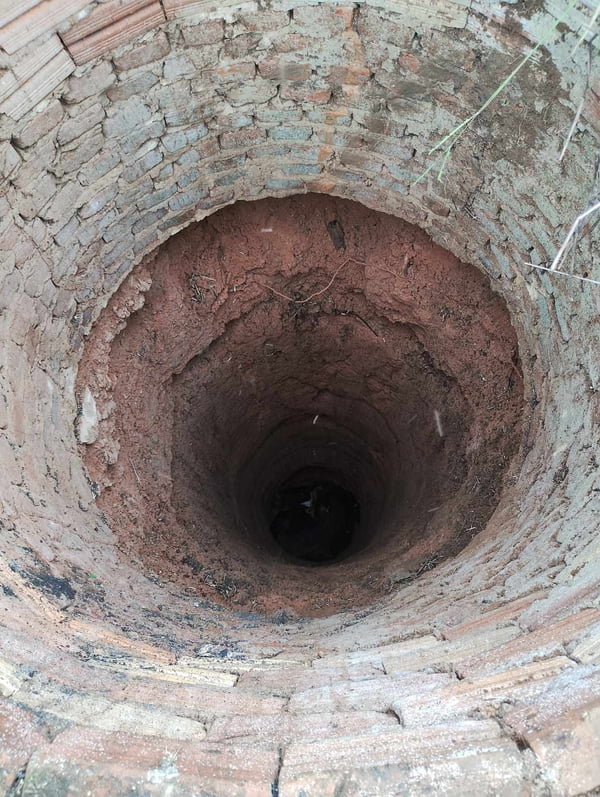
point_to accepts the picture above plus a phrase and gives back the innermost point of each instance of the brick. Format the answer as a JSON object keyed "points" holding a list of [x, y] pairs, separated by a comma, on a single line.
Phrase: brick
{"points": [[185, 199], [157, 197], [99, 202], [227, 164], [101, 17], [64, 201], [232, 120], [10, 160], [329, 116], [165, 173], [527, 646], [483, 696], [242, 139], [207, 149], [148, 219], [488, 621], [120, 232], [444, 13], [141, 135], [143, 54], [125, 117], [67, 234], [188, 177], [10, 12], [103, 762], [98, 167], [88, 145], [278, 69], [372, 694], [36, 196], [25, 68], [208, 32], [38, 87], [290, 133], [276, 116], [324, 20], [140, 84], [75, 126], [302, 169], [144, 164], [177, 66], [94, 230], [347, 75], [44, 17], [187, 115], [295, 43], [117, 34], [288, 728], [358, 159], [264, 153], [241, 45], [568, 750], [19, 737], [306, 92], [90, 84], [265, 22], [255, 93], [562, 728], [232, 73], [228, 179], [46, 120], [207, 56], [419, 762], [178, 221], [173, 142], [176, 9]]}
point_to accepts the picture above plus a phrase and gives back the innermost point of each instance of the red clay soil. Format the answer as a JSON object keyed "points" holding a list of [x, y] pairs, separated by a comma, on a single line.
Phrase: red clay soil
{"points": [[214, 378]]}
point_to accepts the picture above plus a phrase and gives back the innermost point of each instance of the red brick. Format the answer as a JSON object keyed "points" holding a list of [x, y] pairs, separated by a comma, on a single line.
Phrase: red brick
{"points": [[277, 69], [304, 92], [120, 32], [101, 17]]}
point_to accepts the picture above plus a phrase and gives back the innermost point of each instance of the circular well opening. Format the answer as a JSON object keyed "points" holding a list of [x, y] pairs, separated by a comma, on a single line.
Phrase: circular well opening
{"points": [[265, 441]]}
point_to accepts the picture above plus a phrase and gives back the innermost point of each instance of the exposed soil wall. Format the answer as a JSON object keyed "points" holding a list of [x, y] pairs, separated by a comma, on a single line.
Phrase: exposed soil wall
{"points": [[219, 388]]}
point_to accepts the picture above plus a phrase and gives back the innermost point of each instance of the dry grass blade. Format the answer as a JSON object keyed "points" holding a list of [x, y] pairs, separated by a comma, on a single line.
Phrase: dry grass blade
{"points": [[587, 28], [321, 290], [563, 273], [574, 227], [449, 141]]}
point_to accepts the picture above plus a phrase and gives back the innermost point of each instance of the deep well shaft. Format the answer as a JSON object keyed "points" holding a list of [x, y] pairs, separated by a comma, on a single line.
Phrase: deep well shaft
{"points": [[299, 488]]}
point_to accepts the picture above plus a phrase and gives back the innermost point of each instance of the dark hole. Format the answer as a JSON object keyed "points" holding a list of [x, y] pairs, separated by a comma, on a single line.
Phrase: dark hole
{"points": [[313, 519]]}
